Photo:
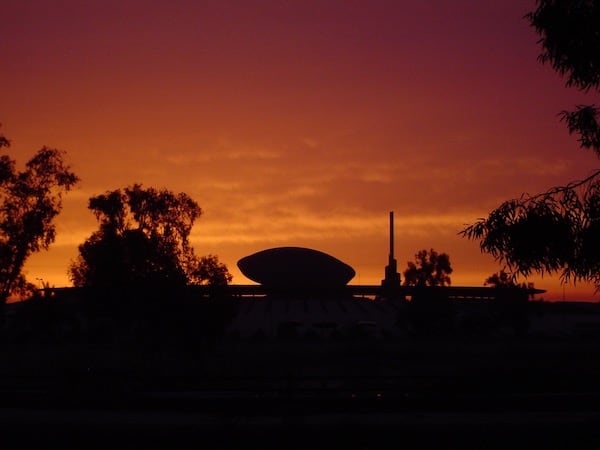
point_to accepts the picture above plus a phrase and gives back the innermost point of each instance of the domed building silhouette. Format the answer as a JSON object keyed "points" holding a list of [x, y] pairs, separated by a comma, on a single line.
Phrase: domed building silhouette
{"points": [[305, 292], [293, 268]]}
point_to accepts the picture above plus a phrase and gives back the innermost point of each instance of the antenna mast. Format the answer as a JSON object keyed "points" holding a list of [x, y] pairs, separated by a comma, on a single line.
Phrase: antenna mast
{"points": [[391, 236], [392, 277]]}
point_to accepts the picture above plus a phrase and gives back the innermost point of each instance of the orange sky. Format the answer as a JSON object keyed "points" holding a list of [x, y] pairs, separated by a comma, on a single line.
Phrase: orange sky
{"points": [[293, 122]]}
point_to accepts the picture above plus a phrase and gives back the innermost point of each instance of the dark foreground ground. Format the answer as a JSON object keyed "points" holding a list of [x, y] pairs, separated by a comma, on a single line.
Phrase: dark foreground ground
{"points": [[526, 392], [93, 428]]}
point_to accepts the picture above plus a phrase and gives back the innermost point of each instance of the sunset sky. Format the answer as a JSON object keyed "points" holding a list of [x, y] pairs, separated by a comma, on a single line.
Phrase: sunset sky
{"points": [[294, 122]]}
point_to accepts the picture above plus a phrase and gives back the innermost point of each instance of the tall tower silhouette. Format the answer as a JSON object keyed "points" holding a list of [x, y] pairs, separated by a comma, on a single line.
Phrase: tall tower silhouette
{"points": [[392, 277]]}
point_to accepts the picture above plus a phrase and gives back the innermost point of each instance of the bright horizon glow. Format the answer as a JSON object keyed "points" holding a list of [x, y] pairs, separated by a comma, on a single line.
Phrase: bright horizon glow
{"points": [[368, 271]]}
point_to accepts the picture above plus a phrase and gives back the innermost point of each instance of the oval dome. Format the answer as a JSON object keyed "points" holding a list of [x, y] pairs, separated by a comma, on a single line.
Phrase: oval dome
{"points": [[283, 267]]}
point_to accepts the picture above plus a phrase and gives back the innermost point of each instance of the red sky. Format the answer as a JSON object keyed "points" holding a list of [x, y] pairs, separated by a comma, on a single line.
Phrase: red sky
{"points": [[294, 122]]}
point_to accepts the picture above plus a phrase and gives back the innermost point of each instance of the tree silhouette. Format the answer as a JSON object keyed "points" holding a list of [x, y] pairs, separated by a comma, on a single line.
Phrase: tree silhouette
{"points": [[143, 239], [429, 269], [210, 271], [557, 231], [29, 202], [500, 279]]}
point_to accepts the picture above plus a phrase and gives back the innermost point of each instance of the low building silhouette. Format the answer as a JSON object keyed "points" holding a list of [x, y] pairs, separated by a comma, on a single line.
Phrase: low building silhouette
{"points": [[304, 292]]}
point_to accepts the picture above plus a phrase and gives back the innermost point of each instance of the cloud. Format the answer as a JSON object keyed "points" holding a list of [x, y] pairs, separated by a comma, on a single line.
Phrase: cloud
{"points": [[296, 224], [312, 143]]}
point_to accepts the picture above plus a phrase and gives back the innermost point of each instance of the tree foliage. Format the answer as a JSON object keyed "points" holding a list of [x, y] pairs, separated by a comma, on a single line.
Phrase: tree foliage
{"points": [[570, 39], [209, 270], [143, 239], [429, 269], [557, 231], [29, 202], [501, 279]]}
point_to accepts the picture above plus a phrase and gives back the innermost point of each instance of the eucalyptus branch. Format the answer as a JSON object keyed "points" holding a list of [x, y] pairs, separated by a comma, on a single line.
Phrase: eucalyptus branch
{"points": [[525, 198]]}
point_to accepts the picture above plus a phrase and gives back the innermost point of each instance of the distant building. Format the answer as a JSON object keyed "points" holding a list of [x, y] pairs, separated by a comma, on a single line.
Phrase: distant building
{"points": [[305, 292]]}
